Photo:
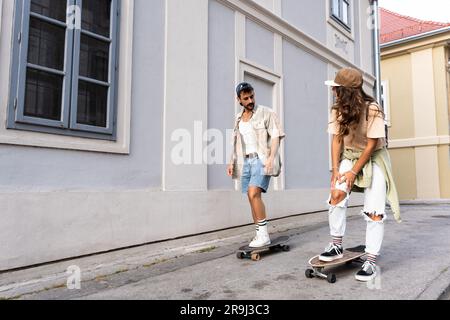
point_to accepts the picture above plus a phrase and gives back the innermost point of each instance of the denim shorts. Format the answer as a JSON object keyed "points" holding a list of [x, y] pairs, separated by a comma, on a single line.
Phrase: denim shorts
{"points": [[253, 175]]}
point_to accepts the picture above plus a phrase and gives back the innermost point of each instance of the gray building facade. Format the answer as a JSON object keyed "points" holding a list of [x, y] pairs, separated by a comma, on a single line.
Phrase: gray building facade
{"points": [[116, 133]]}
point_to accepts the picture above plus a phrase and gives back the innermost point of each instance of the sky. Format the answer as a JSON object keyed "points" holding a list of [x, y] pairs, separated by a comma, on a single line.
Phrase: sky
{"points": [[434, 10]]}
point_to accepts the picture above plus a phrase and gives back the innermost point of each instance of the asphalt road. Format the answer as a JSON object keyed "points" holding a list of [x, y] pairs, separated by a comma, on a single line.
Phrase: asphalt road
{"points": [[414, 264]]}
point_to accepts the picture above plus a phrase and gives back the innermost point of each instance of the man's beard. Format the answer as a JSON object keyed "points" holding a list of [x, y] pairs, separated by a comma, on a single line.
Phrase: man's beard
{"points": [[250, 107]]}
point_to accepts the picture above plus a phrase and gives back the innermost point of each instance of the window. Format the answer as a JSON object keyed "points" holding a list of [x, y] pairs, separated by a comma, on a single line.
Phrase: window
{"points": [[65, 63], [340, 11]]}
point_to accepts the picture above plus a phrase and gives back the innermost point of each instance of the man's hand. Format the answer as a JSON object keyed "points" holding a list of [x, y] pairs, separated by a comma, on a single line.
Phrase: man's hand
{"points": [[268, 167], [230, 170]]}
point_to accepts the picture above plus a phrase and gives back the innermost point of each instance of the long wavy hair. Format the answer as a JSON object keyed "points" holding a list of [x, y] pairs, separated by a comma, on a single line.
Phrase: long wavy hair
{"points": [[351, 104]]}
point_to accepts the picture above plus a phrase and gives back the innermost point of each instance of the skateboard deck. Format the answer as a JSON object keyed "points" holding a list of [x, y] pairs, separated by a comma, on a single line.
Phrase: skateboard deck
{"points": [[350, 255], [247, 252]]}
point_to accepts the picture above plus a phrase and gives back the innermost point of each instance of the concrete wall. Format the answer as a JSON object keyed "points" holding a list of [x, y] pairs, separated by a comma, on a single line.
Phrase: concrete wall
{"points": [[441, 90], [305, 100], [268, 4], [398, 71], [186, 88], [28, 168], [419, 134], [256, 39], [366, 38], [442, 94], [404, 171], [221, 74], [308, 16], [359, 23], [444, 171]]}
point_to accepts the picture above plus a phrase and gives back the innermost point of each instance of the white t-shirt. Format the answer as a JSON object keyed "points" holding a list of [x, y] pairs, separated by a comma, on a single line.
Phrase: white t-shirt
{"points": [[248, 137]]}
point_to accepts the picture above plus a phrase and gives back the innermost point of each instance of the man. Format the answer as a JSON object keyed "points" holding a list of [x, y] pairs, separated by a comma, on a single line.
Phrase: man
{"points": [[255, 158]]}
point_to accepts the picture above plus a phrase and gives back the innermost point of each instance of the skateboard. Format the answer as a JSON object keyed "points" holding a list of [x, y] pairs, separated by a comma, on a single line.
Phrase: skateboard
{"points": [[351, 255], [247, 252]]}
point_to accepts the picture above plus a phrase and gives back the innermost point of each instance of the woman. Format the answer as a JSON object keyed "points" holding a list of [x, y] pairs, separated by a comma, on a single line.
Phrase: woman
{"points": [[360, 163]]}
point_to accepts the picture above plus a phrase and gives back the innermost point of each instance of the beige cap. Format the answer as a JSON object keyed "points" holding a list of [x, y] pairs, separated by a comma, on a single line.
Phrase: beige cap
{"points": [[348, 77]]}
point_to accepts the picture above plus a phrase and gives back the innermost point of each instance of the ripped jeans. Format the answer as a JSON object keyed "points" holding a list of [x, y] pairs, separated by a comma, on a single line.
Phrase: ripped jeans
{"points": [[374, 203]]}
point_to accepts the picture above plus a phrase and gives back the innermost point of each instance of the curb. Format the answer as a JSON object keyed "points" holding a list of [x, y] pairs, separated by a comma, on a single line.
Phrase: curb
{"points": [[16, 284], [438, 288]]}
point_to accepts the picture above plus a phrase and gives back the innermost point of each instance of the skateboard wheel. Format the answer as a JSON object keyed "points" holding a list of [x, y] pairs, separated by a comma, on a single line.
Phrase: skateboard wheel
{"points": [[256, 257], [285, 248], [240, 255], [309, 273], [331, 278]]}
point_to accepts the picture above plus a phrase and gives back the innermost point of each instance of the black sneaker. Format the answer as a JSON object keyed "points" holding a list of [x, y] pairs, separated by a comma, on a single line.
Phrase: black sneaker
{"points": [[333, 252], [368, 272]]}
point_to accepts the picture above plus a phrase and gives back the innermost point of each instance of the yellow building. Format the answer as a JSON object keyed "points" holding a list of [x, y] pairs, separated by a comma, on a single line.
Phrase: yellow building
{"points": [[415, 69]]}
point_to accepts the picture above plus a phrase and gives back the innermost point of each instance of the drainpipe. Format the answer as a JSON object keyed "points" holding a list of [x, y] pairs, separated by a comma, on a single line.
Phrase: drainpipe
{"points": [[377, 56], [377, 50]]}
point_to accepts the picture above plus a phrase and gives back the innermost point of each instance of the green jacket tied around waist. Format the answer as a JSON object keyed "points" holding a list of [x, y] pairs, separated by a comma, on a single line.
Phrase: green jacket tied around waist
{"points": [[364, 178]]}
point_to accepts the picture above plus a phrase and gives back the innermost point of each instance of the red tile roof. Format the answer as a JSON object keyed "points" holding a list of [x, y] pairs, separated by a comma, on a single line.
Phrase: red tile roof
{"points": [[395, 26]]}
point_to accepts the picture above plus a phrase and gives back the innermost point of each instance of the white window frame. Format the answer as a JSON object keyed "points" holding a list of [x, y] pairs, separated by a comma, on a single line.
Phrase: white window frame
{"points": [[69, 104], [340, 17]]}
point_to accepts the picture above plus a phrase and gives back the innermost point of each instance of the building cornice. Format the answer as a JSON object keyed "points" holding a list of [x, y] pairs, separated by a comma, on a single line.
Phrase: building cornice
{"points": [[289, 32], [431, 39]]}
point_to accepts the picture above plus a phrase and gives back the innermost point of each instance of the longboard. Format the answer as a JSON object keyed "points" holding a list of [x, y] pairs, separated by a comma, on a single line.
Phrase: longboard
{"points": [[247, 252], [350, 255]]}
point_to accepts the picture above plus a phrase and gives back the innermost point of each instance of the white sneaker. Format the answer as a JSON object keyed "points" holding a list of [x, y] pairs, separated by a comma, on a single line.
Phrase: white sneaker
{"points": [[259, 242], [262, 238]]}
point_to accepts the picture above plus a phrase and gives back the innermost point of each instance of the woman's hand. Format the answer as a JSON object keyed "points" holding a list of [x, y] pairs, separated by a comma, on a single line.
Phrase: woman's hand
{"points": [[349, 177], [335, 177]]}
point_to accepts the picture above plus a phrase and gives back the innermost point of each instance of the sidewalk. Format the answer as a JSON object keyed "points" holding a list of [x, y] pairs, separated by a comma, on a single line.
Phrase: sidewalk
{"points": [[415, 264]]}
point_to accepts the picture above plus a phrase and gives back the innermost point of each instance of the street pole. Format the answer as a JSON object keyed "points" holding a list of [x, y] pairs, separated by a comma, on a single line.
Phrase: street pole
{"points": [[377, 58], [377, 50]]}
